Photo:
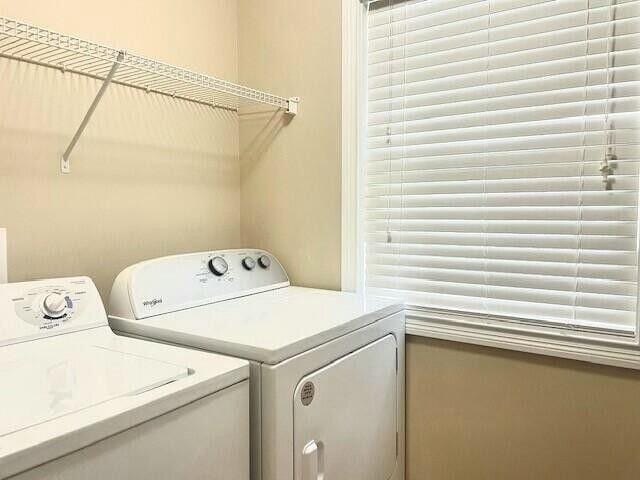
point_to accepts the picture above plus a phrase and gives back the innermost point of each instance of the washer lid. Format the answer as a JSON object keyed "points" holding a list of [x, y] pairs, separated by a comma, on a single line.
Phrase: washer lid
{"points": [[41, 387], [267, 327]]}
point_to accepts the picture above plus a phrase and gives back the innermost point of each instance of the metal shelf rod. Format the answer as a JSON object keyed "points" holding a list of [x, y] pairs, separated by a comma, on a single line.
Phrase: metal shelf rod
{"points": [[65, 166]]}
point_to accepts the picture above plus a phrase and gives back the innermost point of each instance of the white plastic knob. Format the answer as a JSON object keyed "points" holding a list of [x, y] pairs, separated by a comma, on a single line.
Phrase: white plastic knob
{"points": [[54, 305]]}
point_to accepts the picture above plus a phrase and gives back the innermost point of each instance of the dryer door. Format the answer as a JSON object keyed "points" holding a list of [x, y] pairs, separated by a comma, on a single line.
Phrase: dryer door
{"points": [[345, 417]]}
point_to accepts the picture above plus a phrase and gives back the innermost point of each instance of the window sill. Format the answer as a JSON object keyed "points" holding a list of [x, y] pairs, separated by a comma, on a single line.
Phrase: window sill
{"points": [[443, 328]]}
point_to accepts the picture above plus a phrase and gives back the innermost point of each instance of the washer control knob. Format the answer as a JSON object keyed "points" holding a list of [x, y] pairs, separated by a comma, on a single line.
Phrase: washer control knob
{"points": [[248, 263], [264, 261], [54, 305], [218, 266]]}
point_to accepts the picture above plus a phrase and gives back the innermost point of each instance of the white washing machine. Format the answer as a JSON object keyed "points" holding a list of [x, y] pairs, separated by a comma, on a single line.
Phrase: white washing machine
{"points": [[78, 402], [327, 368]]}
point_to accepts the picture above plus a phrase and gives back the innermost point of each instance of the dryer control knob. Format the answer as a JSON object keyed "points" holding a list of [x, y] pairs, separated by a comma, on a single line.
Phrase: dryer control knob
{"points": [[218, 266], [264, 261], [248, 263], [54, 305]]}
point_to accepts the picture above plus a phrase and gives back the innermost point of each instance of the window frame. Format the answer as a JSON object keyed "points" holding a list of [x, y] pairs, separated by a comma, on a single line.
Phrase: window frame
{"points": [[610, 350]]}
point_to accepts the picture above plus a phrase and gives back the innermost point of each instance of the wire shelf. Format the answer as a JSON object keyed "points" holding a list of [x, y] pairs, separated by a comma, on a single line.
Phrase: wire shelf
{"points": [[28, 43], [25, 42]]}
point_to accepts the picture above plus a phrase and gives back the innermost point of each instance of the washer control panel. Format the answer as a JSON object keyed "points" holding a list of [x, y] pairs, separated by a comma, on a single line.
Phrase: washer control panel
{"points": [[174, 283], [48, 307]]}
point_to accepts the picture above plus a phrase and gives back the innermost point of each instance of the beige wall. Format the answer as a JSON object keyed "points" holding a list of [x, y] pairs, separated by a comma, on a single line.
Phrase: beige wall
{"points": [[291, 173], [151, 176], [476, 413]]}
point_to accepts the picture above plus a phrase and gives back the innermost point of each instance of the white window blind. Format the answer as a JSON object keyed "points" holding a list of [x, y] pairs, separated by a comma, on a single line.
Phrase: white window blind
{"points": [[501, 163]]}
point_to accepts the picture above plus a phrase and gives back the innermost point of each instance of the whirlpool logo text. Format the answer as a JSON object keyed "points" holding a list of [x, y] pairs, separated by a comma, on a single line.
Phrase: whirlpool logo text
{"points": [[152, 303]]}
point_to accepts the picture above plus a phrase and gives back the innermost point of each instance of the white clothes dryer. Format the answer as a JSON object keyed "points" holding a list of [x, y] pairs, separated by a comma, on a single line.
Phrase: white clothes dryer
{"points": [[327, 368]]}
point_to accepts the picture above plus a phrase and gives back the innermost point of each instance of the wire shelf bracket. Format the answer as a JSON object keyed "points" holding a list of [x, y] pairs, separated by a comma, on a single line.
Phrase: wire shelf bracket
{"points": [[292, 105], [32, 44]]}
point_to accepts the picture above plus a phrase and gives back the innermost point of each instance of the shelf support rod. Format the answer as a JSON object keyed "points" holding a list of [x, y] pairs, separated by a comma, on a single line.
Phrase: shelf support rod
{"points": [[65, 166]]}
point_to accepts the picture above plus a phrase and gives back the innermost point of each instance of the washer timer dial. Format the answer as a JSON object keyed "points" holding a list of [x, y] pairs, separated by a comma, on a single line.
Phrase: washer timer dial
{"points": [[54, 305]]}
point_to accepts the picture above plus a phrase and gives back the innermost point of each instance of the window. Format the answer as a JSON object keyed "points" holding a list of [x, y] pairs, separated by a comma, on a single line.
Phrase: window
{"points": [[500, 165]]}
